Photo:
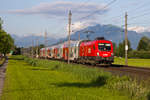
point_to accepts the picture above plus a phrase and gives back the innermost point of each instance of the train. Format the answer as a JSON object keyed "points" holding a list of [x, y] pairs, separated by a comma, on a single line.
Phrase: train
{"points": [[97, 51]]}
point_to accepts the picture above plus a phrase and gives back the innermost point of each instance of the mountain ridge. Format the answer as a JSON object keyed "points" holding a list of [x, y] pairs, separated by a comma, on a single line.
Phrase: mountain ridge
{"points": [[110, 32]]}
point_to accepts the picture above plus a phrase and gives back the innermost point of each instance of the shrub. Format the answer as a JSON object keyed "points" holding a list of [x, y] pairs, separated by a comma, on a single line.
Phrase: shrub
{"points": [[18, 57], [148, 96], [56, 67], [140, 54], [31, 61], [135, 90]]}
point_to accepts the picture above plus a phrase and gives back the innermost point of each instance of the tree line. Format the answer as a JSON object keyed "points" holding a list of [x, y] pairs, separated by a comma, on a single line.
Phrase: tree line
{"points": [[6, 41], [142, 51]]}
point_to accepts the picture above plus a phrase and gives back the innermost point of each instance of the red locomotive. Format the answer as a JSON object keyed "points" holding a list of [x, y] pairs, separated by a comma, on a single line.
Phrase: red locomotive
{"points": [[97, 51]]}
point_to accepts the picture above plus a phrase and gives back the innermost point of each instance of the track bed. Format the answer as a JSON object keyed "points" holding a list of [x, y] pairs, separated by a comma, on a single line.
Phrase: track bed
{"points": [[134, 72]]}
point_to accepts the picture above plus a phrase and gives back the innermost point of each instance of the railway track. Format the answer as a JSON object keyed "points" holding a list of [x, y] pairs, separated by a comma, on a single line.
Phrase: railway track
{"points": [[133, 72], [139, 73]]}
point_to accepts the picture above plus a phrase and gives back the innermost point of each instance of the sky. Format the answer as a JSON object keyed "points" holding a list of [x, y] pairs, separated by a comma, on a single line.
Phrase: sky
{"points": [[34, 17]]}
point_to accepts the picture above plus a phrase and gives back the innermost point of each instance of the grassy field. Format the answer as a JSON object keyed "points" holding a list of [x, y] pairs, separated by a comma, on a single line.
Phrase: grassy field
{"points": [[133, 62], [53, 80], [2, 61]]}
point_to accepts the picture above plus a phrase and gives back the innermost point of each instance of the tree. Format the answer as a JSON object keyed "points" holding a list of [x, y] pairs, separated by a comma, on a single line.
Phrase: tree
{"points": [[6, 41], [121, 48], [9, 43], [1, 22], [115, 49], [17, 51], [41, 46], [144, 44], [2, 39]]}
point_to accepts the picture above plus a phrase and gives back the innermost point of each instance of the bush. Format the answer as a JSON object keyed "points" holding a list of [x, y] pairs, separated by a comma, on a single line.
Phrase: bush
{"points": [[31, 61], [18, 57], [135, 90], [148, 96], [140, 54]]}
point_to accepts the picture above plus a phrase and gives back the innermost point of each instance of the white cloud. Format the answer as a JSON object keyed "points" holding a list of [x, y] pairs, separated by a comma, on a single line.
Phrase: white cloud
{"points": [[81, 25], [139, 29], [61, 8]]}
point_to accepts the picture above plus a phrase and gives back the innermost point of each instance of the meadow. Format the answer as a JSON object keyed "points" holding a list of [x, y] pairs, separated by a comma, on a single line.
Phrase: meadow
{"points": [[34, 79], [133, 62]]}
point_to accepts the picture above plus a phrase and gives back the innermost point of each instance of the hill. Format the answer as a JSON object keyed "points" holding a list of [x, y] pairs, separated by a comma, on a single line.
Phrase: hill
{"points": [[110, 32], [27, 40]]}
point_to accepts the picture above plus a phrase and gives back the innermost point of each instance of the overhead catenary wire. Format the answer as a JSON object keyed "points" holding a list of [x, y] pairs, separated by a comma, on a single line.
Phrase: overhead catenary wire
{"points": [[134, 17], [98, 10], [112, 18], [144, 23], [141, 15], [107, 5], [144, 12], [115, 18], [137, 8], [82, 5]]}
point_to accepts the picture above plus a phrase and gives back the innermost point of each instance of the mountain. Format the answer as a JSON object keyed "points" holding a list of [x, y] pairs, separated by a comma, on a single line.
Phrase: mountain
{"points": [[110, 32], [146, 34], [26, 41]]}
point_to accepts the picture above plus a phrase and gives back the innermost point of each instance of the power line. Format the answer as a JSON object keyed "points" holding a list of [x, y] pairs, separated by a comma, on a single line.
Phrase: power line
{"points": [[144, 12], [147, 13], [45, 43], [115, 18], [137, 8], [137, 23], [81, 6], [98, 10]]}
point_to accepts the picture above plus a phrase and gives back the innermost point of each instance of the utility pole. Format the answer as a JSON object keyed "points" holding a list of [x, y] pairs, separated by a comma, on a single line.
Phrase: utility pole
{"points": [[126, 39], [45, 44], [79, 36], [69, 31], [37, 54], [32, 47], [88, 34], [21, 51]]}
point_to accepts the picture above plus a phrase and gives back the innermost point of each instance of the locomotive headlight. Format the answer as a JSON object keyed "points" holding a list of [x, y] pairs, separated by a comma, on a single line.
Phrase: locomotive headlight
{"points": [[97, 53]]}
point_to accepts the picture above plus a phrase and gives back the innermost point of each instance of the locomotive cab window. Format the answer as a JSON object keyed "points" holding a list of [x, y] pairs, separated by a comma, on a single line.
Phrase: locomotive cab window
{"points": [[104, 47]]}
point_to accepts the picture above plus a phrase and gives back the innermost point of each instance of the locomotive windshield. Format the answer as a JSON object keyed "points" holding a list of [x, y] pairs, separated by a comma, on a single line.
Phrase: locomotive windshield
{"points": [[104, 47]]}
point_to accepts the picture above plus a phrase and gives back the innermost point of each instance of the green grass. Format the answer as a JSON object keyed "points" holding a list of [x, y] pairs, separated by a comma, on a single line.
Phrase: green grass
{"points": [[133, 62], [2, 61], [53, 80]]}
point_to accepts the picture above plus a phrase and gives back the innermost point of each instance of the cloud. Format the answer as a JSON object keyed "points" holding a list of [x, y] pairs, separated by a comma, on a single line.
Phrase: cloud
{"points": [[61, 8], [81, 25], [139, 29]]}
